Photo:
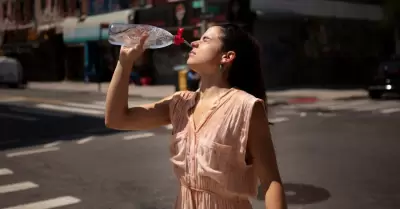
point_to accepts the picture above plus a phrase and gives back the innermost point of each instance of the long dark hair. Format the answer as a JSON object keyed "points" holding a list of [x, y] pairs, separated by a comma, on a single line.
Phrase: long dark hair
{"points": [[245, 72]]}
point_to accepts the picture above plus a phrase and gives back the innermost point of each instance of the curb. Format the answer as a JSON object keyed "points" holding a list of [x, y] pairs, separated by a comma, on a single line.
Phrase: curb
{"points": [[272, 101]]}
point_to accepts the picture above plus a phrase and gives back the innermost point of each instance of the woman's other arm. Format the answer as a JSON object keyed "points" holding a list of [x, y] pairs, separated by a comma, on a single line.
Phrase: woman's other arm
{"points": [[263, 157]]}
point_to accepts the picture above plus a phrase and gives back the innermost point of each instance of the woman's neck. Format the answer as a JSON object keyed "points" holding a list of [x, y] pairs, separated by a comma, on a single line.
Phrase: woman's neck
{"points": [[212, 86]]}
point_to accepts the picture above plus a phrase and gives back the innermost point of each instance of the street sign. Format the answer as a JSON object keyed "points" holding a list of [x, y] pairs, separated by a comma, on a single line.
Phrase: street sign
{"points": [[213, 9], [197, 4]]}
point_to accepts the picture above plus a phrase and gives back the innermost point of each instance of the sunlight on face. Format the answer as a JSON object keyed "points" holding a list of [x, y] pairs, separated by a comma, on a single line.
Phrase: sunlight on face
{"points": [[206, 54]]}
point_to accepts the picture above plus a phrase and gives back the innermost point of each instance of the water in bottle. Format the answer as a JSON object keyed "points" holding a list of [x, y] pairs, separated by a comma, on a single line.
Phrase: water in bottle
{"points": [[129, 35]]}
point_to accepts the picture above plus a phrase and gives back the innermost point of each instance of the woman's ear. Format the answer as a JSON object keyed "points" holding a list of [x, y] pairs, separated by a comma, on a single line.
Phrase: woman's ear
{"points": [[228, 57]]}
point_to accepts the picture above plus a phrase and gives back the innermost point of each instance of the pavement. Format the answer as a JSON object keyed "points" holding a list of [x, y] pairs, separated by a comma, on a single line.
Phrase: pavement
{"points": [[55, 152], [156, 92]]}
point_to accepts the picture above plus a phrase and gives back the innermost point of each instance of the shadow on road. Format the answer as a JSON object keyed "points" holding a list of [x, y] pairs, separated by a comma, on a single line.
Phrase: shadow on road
{"points": [[302, 194], [22, 126]]}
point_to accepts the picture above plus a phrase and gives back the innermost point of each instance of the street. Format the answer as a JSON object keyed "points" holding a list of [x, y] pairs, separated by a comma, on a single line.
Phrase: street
{"points": [[55, 152]]}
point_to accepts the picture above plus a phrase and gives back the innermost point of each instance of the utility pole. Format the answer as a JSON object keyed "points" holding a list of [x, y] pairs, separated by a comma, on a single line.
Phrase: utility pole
{"points": [[203, 26]]}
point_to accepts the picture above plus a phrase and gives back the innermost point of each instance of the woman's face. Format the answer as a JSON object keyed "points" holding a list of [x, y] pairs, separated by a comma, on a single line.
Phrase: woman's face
{"points": [[206, 55]]}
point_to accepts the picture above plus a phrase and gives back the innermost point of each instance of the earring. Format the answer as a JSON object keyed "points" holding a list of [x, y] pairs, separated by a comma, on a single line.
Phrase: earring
{"points": [[221, 68]]}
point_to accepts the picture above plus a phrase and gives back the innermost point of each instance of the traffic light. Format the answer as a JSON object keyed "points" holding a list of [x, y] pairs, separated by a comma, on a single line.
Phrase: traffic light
{"points": [[239, 12]]}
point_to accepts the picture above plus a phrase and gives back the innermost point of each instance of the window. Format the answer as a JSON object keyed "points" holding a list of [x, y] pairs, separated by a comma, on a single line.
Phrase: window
{"points": [[43, 4], [28, 10], [19, 5], [4, 7]]}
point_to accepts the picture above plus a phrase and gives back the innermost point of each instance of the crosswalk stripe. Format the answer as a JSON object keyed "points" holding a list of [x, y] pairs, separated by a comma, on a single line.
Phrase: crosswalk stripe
{"points": [[52, 144], [69, 109], [85, 140], [34, 151], [88, 106], [17, 187], [11, 99], [5, 171], [169, 127], [139, 136], [377, 105], [48, 204], [390, 110], [385, 107], [278, 120], [347, 105], [320, 104]]}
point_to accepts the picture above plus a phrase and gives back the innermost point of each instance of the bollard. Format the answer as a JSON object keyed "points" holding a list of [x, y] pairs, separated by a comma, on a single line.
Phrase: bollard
{"points": [[182, 79]]}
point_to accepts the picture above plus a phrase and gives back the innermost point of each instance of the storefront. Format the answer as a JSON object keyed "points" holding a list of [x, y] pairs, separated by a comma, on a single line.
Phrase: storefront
{"points": [[317, 46], [16, 44], [89, 56]]}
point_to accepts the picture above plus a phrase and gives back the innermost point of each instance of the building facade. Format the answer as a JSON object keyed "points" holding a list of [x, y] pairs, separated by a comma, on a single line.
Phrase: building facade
{"points": [[305, 42], [320, 43]]}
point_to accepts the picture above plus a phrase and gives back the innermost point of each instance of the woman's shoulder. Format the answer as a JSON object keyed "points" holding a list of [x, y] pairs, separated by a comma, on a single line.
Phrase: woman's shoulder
{"points": [[183, 95], [245, 97]]}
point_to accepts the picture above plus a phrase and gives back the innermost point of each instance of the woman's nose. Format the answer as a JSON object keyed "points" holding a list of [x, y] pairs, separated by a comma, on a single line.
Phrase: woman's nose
{"points": [[194, 44]]}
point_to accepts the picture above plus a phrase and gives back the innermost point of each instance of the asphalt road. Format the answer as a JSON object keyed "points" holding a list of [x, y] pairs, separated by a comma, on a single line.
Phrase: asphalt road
{"points": [[55, 151]]}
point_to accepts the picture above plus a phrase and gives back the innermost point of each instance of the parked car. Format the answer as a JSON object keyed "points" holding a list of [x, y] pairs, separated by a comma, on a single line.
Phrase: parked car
{"points": [[12, 73], [385, 80]]}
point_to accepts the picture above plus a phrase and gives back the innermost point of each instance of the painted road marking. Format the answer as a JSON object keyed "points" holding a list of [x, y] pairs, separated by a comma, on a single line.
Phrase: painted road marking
{"points": [[17, 187], [390, 110], [169, 127], [89, 106], [11, 99], [33, 151], [47, 204], [139, 136], [378, 105], [52, 144], [278, 120], [326, 114], [85, 140], [18, 117], [69, 109], [5, 171]]}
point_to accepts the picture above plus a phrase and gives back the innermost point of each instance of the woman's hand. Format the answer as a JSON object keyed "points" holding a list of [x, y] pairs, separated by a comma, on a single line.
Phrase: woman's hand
{"points": [[128, 55]]}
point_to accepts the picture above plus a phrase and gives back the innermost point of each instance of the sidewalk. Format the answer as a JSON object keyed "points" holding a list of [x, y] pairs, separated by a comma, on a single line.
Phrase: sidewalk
{"points": [[139, 91], [157, 92]]}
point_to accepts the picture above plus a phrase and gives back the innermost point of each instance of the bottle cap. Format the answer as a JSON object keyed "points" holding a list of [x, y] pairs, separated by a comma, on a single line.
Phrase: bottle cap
{"points": [[178, 40]]}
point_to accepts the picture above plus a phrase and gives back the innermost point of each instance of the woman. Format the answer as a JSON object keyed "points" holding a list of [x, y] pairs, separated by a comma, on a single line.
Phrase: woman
{"points": [[221, 144]]}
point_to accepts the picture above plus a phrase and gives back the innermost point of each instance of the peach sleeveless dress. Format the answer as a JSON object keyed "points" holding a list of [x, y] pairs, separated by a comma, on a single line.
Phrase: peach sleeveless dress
{"points": [[209, 160]]}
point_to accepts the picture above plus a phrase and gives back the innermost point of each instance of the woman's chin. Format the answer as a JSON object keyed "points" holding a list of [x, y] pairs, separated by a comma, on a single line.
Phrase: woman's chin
{"points": [[190, 61]]}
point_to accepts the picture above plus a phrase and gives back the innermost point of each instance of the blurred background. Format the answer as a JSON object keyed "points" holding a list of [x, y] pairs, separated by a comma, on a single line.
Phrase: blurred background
{"points": [[332, 72]]}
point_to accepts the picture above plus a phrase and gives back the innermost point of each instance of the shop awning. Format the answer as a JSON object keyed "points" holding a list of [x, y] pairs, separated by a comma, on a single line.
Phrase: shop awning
{"points": [[89, 29]]}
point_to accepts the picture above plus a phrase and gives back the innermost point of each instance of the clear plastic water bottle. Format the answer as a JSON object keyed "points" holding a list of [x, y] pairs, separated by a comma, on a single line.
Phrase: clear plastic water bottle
{"points": [[129, 35]]}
